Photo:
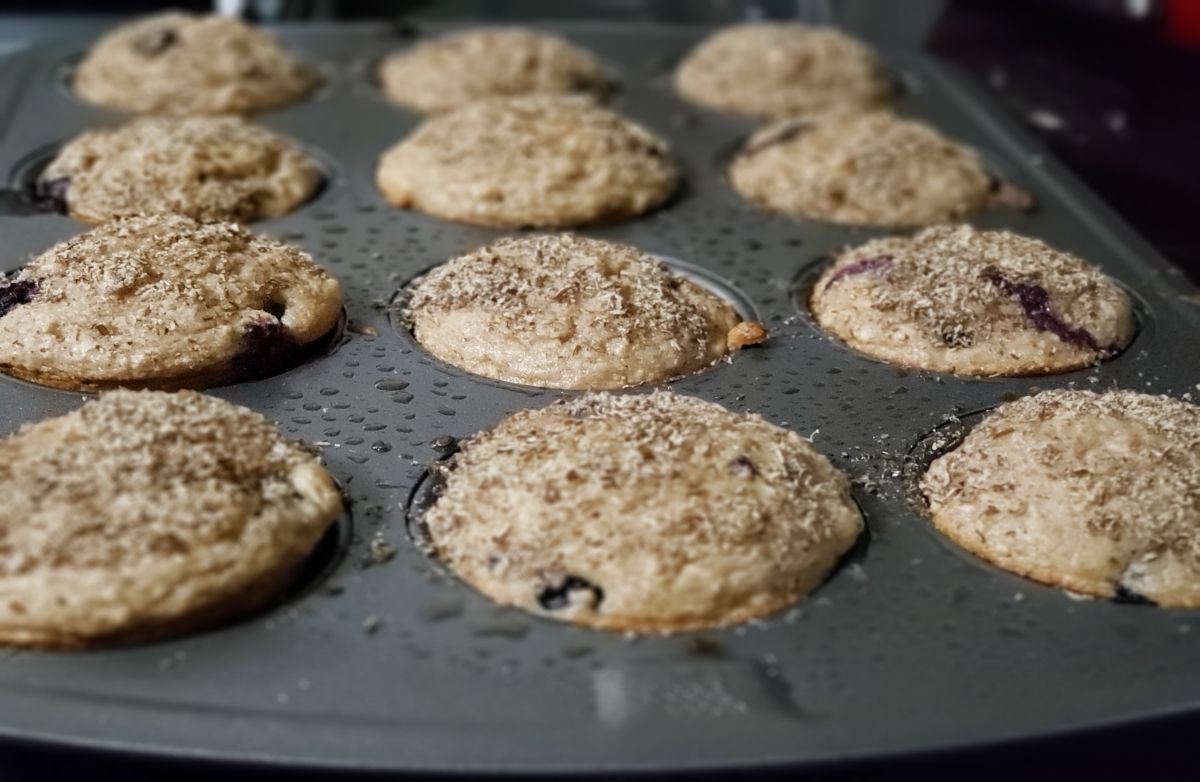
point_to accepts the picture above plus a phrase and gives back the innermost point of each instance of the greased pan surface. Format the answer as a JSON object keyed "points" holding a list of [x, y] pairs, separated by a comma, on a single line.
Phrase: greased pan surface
{"points": [[912, 645]]}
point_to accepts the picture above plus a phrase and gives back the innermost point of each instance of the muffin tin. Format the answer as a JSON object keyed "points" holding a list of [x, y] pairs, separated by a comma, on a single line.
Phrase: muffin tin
{"points": [[383, 661]]}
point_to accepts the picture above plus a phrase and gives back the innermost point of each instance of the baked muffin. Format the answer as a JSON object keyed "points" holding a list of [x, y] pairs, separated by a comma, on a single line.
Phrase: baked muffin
{"points": [[538, 160], [563, 311], [488, 62], [147, 514], [782, 69], [871, 168], [163, 302], [643, 513], [954, 299], [180, 63], [1095, 493], [213, 169]]}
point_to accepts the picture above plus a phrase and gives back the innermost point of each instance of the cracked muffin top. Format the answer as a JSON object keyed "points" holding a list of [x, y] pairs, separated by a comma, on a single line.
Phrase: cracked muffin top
{"points": [[642, 512], [1095, 493]]}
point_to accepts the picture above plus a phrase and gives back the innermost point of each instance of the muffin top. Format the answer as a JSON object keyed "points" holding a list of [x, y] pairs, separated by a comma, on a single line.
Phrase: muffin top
{"points": [[1096, 493], [212, 169], [536, 160], [782, 69], [870, 168], [955, 299], [489, 62], [180, 63], [642, 512], [564, 311], [147, 514], [165, 302]]}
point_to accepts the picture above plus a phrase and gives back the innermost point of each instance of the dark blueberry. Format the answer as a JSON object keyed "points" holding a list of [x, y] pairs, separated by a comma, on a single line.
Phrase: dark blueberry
{"points": [[1035, 302], [267, 348], [50, 195], [558, 596], [860, 267], [155, 42], [742, 464], [785, 134], [19, 292], [1126, 595]]}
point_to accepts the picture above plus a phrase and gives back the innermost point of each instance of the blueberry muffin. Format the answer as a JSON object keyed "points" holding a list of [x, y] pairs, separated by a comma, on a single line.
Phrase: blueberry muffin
{"points": [[213, 169], [954, 299], [539, 160], [564, 311], [457, 68], [871, 168], [782, 69], [1095, 493], [163, 302], [642, 513], [180, 63], [146, 514]]}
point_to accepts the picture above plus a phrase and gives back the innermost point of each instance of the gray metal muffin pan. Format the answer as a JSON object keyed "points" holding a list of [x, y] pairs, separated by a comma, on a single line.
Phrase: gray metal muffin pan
{"points": [[911, 646]]}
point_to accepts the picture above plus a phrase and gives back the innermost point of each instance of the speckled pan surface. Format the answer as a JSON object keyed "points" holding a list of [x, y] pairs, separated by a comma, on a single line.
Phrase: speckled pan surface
{"points": [[912, 645]]}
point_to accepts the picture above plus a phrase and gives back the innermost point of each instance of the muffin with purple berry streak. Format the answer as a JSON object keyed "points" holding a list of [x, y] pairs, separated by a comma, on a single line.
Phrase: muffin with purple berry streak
{"points": [[164, 302], [968, 302]]}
